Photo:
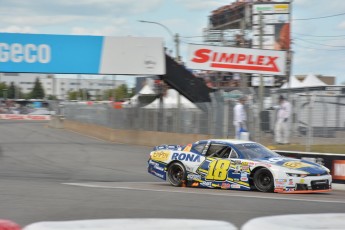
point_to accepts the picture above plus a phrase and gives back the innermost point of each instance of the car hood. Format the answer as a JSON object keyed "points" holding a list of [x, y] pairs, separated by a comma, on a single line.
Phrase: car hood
{"points": [[295, 164]]}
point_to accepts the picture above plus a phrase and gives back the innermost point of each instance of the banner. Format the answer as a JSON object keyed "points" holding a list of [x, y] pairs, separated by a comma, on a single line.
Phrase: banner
{"points": [[25, 117], [242, 60], [67, 54]]}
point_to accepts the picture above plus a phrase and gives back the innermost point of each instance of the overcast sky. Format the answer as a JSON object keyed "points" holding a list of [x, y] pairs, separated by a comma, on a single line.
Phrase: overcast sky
{"points": [[312, 54]]}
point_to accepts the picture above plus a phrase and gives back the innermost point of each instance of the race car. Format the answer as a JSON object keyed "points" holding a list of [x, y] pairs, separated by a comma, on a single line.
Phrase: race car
{"points": [[236, 164]]}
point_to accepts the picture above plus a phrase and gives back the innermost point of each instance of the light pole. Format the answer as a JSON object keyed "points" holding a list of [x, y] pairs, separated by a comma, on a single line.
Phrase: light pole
{"points": [[175, 37]]}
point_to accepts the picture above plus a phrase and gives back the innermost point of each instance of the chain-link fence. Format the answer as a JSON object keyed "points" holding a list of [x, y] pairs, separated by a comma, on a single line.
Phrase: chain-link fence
{"points": [[316, 117]]}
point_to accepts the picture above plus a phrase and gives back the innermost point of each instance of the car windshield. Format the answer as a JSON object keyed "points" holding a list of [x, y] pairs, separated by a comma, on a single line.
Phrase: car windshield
{"points": [[255, 150]]}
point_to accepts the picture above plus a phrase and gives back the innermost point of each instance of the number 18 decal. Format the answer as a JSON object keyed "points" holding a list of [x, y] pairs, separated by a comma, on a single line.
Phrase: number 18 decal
{"points": [[218, 170]]}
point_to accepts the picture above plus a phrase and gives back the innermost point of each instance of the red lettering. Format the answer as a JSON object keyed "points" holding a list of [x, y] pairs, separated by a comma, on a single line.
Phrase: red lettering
{"points": [[250, 61], [241, 57], [226, 57], [215, 55], [260, 60], [201, 56], [272, 62]]}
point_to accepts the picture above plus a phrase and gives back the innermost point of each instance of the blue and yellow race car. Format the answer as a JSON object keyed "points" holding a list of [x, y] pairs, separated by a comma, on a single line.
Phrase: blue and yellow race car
{"points": [[235, 164]]}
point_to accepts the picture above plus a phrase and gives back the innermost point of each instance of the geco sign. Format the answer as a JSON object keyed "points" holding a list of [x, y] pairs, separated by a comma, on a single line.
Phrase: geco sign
{"points": [[241, 60], [74, 54]]}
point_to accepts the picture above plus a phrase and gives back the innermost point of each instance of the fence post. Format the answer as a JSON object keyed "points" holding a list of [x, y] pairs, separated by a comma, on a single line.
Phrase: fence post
{"points": [[226, 119]]}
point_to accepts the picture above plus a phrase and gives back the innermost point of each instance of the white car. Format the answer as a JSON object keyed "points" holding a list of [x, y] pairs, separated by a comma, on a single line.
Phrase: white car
{"points": [[234, 164]]}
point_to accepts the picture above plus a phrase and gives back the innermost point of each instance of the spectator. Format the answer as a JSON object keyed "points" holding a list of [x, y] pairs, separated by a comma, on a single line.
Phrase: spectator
{"points": [[281, 130], [240, 117]]}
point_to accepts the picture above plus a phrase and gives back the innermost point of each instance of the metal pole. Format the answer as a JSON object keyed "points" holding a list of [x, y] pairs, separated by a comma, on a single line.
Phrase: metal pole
{"points": [[114, 88], [261, 87], [175, 37], [78, 88], [177, 47], [289, 52]]}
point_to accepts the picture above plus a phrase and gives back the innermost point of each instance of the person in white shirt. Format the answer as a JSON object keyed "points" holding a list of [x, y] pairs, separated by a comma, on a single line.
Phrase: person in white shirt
{"points": [[282, 130], [240, 117]]}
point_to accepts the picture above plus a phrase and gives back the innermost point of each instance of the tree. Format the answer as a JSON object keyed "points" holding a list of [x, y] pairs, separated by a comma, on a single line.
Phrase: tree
{"points": [[51, 97], [3, 88], [11, 93], [120, 93], [38, 91], [81, 94]]}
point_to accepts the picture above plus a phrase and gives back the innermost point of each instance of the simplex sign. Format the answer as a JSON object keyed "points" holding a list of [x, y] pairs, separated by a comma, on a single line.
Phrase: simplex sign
{"points": [[43, 53], [229, 59]]}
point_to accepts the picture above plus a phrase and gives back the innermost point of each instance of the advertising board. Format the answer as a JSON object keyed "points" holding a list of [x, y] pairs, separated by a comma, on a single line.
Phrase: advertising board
{"points": [[242, 60], [43, 53]]}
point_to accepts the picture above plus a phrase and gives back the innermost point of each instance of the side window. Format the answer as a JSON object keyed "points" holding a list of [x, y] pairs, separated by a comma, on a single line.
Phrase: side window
{"points": [[200, 147], [233, 154], [217, 150]]}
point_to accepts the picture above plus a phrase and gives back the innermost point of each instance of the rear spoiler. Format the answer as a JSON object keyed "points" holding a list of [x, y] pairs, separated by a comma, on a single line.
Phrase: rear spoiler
{"points": [[169, 147]]}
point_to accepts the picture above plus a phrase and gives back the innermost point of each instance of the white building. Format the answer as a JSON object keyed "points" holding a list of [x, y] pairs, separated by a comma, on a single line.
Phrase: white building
{"points": [[60, 85]]}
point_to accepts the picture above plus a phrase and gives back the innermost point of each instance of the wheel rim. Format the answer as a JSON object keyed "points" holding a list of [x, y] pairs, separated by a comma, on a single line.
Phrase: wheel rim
{"points": [[176, 174], [265, 179]]}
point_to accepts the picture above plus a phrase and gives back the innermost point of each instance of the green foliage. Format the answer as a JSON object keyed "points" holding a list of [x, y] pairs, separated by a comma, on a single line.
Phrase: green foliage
{"points": [[51, 97], [82, 94], [120, 93], [3, 89], [38, 91], [11, 91]]}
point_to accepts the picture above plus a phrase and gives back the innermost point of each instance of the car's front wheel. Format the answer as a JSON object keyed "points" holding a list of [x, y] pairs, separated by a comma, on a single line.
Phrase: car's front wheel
{"points": [[177, 174], [263, 180]]}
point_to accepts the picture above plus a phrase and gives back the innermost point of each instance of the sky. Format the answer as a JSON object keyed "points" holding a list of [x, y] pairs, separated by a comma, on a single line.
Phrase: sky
{"points": [[314, 52]]}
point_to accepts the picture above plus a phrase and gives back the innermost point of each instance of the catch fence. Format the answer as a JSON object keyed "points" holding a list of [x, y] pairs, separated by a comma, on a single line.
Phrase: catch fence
{"points": [[317, 117]]}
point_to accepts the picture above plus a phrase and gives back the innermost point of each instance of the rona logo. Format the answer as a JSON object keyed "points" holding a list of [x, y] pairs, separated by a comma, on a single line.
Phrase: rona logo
{"points": [[185, 157]]}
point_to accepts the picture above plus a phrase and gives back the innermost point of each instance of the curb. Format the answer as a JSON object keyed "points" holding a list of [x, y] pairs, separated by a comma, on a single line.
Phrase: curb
{"points": [[338, 186]]}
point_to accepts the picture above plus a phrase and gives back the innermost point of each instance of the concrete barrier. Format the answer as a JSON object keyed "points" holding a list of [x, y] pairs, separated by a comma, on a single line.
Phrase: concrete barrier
{"points": [[332, 221], [132, 224]]}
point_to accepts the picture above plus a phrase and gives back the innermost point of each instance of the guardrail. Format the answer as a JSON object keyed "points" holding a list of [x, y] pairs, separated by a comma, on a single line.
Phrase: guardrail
{"points": [[335, 162]]}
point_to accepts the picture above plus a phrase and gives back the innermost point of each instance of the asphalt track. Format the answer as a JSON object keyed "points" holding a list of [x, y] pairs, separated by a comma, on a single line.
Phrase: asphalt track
{"points": [[53, 174]]}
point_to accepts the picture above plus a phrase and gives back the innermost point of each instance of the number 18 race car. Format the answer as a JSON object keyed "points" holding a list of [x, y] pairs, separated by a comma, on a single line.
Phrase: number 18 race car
{"points": [[235, 164]]}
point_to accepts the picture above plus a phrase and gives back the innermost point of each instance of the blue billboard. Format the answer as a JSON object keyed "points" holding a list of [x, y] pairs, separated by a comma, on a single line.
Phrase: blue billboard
{"points": [[43, 53]]}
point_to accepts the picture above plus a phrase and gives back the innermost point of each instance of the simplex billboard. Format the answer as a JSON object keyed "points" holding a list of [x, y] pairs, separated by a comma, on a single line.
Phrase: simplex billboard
{"points": [[70, 54], [230, 59]]}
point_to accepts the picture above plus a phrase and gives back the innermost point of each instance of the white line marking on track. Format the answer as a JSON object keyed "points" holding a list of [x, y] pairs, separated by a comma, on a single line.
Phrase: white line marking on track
{"points": [[199, 193]]}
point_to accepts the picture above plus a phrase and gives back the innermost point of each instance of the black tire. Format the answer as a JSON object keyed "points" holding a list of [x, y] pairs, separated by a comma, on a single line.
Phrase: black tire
{"points": [[263, 180], [177, 174]]}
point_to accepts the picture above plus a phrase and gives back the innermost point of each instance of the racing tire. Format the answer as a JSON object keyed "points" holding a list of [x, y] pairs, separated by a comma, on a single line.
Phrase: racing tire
{"points": [[177, 174], [263, 180]]}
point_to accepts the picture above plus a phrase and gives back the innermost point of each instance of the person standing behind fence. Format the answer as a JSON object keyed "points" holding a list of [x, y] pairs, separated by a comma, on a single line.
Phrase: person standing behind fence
{"points": [[240, 117], [282, 129]]}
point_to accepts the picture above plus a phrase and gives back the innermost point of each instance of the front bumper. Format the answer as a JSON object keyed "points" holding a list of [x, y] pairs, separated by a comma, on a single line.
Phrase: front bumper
{"points": [[309, 184]]}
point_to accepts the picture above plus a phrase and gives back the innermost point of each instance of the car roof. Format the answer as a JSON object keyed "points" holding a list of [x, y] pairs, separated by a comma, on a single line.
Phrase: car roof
{"points": [[231, 141]]}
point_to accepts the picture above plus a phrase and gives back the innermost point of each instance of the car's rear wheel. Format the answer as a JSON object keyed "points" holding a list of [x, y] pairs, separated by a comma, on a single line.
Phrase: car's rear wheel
{"points": [[177, 174], [263, 180]]}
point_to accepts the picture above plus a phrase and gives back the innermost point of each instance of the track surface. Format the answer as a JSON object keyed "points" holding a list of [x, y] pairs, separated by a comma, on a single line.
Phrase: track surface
{"points": [[53, 174]]}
